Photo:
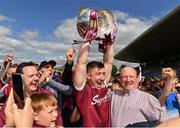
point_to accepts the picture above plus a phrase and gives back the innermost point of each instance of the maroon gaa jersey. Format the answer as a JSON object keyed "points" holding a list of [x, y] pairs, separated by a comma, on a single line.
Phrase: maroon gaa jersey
{"points": [[94, 106]]}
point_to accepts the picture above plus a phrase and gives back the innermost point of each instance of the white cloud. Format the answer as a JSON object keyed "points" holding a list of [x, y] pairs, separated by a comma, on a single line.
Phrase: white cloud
{"points": [[41, 51], [29, 35], [28, 47], [67, 31], [10, 42], [129, 28], [5, 18], [4, 31]]}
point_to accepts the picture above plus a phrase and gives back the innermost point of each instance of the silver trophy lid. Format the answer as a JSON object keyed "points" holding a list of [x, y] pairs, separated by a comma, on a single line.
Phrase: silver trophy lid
{"points": [[100, 21]]}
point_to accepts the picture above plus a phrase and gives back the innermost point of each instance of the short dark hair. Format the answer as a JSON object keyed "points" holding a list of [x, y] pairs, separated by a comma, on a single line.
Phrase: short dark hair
{"points": [[24, 64], [94, 64]]}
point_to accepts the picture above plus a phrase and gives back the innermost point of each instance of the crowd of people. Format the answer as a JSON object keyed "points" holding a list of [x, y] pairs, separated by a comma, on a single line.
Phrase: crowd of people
{"points": [[86, 94]]}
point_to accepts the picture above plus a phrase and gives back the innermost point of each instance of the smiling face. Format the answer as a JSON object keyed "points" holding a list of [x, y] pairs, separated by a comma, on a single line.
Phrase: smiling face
{"points": [[96, 77], [128, 79], [96, 73], [31, 79]]}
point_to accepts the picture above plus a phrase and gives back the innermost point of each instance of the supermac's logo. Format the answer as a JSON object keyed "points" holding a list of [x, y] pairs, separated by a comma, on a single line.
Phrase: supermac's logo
{"points": [[99, 101]]}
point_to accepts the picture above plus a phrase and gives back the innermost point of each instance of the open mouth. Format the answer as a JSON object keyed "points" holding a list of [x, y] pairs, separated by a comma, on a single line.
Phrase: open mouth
{"points": [[53, 123], [33, 86]]}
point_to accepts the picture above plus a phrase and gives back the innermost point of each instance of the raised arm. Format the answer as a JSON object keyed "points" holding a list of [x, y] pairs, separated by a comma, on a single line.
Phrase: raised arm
{"points": [[67, 73], [79, 77], [8, 61], [170, 84], [108, 57]]}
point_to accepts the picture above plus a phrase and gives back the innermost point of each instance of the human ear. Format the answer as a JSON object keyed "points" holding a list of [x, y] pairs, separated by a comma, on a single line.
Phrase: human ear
{"points": [[36, 117], [88, 76]]}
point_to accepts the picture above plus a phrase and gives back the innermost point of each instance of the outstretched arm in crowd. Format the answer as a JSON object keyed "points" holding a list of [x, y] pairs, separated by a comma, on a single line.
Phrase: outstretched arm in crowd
{"points": [[7, 63], [169, 84], [62, 88], [67, 73]]}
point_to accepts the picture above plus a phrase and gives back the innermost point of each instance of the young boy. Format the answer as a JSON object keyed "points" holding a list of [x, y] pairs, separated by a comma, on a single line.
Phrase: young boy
{"points": [[45, 109]]}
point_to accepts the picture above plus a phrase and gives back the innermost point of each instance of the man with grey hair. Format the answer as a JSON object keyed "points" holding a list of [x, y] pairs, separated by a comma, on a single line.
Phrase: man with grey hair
{"points": [[132, 105]]}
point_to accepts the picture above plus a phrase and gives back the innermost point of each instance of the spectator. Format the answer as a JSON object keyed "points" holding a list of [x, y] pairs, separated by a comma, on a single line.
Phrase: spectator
{"points": [[169, 95], [47, 69], [47, 80], [7, 83], [132, 105], [3, 74], [45, 109], [31, 86], [71, 116], [114, 83]]}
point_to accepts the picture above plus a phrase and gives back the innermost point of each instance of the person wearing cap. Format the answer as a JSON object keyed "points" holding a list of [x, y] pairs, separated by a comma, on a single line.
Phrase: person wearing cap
{"points": [[48, 64], [47, 80], [46, 70], [131, 105]]}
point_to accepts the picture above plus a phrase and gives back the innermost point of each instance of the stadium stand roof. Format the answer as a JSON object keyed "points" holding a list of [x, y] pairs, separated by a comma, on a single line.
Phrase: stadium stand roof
{"points": [[159, 42]]}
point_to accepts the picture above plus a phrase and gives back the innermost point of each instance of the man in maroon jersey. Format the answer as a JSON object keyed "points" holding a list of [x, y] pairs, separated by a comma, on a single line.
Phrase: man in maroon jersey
{"points": [[90, 80]]}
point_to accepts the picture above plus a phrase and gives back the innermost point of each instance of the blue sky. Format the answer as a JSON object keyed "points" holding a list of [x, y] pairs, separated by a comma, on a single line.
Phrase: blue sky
{"points": [[44, 29]]}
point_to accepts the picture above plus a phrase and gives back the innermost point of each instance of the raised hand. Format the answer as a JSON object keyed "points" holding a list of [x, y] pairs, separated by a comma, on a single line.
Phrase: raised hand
{"points": [[168, 73], [8, 111], [24, 117], [70, 55], [9, 57], [108, 39]]}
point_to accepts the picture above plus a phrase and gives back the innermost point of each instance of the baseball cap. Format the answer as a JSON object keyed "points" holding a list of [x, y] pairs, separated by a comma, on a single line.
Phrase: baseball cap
{"points": [[44, 63]]}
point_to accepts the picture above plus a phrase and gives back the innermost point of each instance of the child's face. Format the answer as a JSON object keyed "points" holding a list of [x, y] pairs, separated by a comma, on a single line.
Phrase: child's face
{"points": [[47, 116]]}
